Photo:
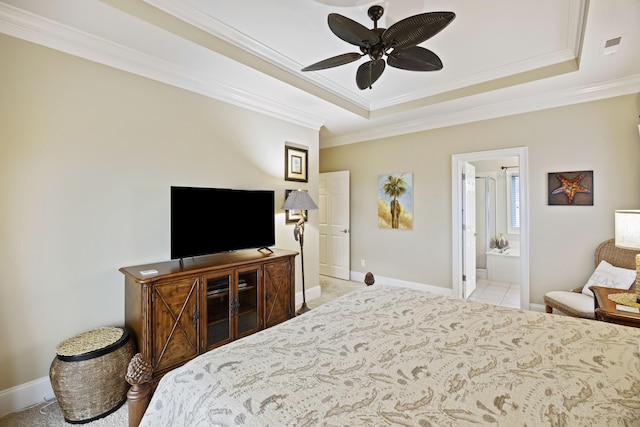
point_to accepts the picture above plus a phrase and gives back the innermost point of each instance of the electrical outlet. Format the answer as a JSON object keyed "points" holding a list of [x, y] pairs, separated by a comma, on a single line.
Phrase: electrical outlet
{"points": [[362, 263]]}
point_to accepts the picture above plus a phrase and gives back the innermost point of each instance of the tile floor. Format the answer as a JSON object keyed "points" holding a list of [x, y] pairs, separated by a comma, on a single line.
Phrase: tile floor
{"points": [[497, 293]]}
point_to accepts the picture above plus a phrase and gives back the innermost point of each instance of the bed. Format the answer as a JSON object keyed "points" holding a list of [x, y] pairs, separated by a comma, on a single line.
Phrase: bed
{"points": [[386, 355]]}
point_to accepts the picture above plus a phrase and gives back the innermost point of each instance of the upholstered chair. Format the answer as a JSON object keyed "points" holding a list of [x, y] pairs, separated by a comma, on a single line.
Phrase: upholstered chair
{"points": [[618, 270]]}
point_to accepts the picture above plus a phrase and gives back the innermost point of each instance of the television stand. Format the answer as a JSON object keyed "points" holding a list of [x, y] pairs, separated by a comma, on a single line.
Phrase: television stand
{"points": [[264, 248], [176, 312]]}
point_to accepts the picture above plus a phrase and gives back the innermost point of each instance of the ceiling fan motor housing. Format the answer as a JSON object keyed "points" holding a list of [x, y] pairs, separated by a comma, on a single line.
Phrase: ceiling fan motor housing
{"points": [[375, 13]]}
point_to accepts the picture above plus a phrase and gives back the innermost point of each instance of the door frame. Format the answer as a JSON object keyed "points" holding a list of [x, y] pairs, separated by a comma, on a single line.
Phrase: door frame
{"points": [[468, 260], [457, 168]]}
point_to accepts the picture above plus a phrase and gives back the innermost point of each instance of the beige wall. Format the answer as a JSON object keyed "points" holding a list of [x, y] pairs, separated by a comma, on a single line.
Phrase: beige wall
{"points": [[601, 136], [87, 156]]}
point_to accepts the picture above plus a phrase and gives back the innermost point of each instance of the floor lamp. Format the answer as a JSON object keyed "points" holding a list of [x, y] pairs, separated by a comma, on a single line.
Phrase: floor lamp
{"points": [[300, 200]]}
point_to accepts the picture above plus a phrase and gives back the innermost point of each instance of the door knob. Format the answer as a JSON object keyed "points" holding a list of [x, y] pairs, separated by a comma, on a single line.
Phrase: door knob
{"points": [[345, 230]]}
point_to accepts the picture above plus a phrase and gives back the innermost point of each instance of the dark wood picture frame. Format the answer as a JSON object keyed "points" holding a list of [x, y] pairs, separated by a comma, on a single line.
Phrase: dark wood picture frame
{"points": [[570, 188], [293, 216], [296, 164]]}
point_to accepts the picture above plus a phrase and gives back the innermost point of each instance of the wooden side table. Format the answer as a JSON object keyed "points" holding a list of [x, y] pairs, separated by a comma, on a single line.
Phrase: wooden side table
{"points": [[606, 309]]}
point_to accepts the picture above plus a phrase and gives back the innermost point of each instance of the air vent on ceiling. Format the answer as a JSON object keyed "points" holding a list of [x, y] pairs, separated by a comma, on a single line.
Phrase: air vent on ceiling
{"points": [[611, 46]]}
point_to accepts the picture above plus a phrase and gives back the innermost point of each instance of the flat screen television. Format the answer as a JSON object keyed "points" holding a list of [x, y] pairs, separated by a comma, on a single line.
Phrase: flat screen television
{"points": [[211, 220]]}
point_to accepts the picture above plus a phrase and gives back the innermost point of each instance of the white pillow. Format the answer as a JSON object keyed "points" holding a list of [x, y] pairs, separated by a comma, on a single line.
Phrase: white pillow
{"points": [[611, 277]]}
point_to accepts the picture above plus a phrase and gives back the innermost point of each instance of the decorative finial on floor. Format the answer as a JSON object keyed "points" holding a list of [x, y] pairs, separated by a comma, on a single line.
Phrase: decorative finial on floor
{"points": [[369, 279]]}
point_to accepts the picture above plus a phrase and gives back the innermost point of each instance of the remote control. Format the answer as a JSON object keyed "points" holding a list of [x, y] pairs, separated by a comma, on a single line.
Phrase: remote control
{"points": [[148, 272]]}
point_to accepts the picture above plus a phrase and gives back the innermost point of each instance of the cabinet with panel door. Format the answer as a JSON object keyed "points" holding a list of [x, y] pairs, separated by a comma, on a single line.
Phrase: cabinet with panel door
{"points": [[233, 305], [177, 311]]}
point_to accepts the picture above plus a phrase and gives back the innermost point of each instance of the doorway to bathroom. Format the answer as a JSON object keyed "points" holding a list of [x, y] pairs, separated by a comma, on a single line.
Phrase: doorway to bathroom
{"points": [[497, 225], [494, 256]]}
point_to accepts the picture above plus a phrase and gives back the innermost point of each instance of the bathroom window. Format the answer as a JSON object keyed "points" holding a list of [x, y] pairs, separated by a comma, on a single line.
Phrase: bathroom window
{"points": [[513, 202]]}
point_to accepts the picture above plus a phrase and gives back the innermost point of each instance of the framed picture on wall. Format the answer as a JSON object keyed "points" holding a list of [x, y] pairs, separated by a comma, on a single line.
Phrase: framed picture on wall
{"points": [[395, 201], [570, 188], [295, 164]]}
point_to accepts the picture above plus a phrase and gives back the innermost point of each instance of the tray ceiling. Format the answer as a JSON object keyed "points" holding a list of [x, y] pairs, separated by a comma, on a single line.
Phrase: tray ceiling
{"points": [[500, 56]]}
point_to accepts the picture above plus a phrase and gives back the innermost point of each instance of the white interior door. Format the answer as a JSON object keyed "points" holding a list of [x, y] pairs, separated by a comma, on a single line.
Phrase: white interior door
{"points": [[334, 210], [469, 230]]}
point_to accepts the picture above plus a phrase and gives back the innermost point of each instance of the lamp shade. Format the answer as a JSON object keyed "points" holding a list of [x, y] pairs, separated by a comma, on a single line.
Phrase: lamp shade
{"points": [[627, 229], [299, 200]]}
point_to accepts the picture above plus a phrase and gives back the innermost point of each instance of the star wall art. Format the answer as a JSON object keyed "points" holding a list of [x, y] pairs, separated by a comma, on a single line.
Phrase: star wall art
{"points": [[571, 188]]}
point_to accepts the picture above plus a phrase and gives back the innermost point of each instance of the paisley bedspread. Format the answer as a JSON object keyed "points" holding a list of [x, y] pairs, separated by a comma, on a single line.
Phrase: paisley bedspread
{"points": [[387, 355]]}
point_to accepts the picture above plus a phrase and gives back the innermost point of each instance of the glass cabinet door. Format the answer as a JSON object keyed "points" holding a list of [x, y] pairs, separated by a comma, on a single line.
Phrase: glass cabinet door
{"points": [[218, 314], [247, 307]]}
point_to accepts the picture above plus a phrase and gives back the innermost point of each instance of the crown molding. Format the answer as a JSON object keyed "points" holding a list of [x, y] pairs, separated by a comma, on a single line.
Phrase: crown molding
{"points": [[531, 69], [19, 23], [220, 29], [551, 99], [210, 24], [576, 23], [24, 25]]}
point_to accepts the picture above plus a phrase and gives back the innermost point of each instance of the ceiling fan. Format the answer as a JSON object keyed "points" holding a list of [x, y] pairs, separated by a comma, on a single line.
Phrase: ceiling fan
{"points": [[398, 43]]}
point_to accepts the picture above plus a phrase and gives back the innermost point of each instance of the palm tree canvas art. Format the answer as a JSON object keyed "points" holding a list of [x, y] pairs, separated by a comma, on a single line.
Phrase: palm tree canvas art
{"points": [[395, 201]]}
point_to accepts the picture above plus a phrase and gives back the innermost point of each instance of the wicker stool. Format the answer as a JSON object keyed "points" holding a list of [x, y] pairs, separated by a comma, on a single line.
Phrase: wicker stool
{"points": [[87, 374]]}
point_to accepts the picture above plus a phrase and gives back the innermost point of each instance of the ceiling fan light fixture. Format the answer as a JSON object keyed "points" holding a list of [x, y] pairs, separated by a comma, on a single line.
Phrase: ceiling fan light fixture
{"points": [[398, 42]]}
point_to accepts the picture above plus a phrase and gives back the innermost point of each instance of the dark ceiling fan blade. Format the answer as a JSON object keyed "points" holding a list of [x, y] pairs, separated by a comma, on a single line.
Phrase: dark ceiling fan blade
{"points": [[369, 72], [415, 59], [335, 61], [416, 29], [351, 31]]}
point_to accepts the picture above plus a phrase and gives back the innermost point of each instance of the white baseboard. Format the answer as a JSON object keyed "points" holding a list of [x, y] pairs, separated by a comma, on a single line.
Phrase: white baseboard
{"points": [[482, 273], [537, 307], [310, 294], [359, 277], [25, 395], [356, 276]]}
